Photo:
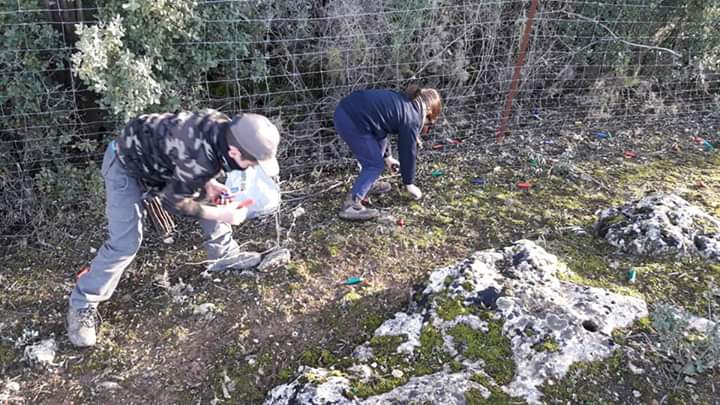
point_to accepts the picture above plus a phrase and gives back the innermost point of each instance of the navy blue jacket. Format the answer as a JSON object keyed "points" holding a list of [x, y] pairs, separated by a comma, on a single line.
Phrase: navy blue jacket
{"points": [[383, 112]]}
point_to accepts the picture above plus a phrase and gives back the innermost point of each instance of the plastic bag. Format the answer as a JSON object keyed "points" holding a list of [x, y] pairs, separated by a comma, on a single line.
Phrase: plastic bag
{"points": [[253, 183]]}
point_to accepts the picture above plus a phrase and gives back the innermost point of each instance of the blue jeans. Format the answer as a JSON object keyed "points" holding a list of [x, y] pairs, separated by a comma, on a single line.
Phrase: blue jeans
{"points": [[124, 211], [367, 149]]}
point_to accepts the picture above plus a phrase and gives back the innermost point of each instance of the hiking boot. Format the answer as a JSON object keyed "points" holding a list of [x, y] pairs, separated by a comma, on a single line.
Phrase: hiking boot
{"points": [[239, 261], [354, 210], [380, 187], [81, 326]]}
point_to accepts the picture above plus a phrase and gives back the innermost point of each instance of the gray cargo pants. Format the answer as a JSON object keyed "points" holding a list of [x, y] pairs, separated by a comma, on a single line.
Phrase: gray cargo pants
{"points": [[124, 210]]}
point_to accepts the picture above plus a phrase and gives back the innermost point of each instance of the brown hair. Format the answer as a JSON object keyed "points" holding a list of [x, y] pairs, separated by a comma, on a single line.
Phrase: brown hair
{"points": [[430, 97]]}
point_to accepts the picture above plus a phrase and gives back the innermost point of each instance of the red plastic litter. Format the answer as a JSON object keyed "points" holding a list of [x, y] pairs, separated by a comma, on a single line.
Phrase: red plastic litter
{"points": [[455, 141], [630, 154], [700, 184], [697, 140], [438, 146], [524, 186], [401, 222], [246, 203], [84, 270]]}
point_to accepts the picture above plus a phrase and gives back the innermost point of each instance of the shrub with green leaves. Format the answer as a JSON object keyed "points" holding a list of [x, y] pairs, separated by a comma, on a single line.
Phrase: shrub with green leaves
{"points": [[38, 126], [125, 81], [156, 55]]}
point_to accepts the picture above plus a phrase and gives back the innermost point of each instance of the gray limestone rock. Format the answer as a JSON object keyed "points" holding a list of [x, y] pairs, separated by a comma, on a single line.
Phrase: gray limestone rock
{"points": [[518, 288], [661, 224], [274, 260], [42, 353]]}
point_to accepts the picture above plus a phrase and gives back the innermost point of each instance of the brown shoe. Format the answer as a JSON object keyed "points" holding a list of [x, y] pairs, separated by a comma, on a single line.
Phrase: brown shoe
{"points": [[354, 210], [380, 187]]}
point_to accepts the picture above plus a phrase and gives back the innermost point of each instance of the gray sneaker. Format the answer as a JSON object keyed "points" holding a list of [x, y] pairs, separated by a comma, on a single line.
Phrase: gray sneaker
{"points": [[240, 261], [356, 211], [81, 326], [380, 187]]}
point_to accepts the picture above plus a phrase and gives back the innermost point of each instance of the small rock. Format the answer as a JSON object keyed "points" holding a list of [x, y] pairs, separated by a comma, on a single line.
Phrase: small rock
{"points": [[93, 250], [169, 240], [274, 260], [207, 310], [298, 212], [362, 372], [636, 394], [363, 353], [42, 353], [397, 373], [373, 365], [635, 369], [690, 380], [109, 386]]}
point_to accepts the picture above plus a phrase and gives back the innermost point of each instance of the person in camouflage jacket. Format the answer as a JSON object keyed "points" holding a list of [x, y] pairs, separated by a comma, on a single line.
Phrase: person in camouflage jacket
{"points": [[177, 157]]}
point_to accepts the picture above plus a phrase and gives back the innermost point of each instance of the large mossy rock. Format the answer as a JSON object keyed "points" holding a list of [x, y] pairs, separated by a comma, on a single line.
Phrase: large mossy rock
{"points": [[492, 327]]}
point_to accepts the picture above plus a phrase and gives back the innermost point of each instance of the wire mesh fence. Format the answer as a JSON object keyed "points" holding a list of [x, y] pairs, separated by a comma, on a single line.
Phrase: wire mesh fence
{"points": [[72, 72]]}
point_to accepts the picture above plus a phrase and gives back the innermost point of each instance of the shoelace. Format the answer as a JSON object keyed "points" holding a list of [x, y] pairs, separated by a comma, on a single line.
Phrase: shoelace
{"points": [[88, 317]]}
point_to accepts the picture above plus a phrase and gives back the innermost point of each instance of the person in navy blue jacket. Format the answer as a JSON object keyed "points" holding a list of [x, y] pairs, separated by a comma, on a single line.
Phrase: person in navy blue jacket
{"points": [[364, 119]]}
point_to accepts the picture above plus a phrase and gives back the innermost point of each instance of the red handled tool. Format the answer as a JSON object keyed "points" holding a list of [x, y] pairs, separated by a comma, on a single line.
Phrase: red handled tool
{"points": [[246, 203]]}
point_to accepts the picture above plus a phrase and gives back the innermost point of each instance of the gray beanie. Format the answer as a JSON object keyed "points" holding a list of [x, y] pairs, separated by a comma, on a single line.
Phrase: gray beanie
{"points": [[258, 136]]}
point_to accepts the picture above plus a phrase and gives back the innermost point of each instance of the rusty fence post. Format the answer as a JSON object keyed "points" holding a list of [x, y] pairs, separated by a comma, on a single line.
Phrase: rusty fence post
{"points": [[500, 134]]}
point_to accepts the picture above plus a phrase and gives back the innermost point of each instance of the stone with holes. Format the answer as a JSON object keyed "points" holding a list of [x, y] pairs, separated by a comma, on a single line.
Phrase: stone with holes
{"points": [[540, 326]]}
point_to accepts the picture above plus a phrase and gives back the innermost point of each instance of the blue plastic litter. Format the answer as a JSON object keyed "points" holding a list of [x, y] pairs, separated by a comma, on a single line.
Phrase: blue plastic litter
{"points": [[603, 135]]}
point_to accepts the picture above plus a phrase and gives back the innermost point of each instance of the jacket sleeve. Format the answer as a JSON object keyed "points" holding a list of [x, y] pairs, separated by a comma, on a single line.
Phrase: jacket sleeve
{"points": [[180, 194], [407, 153], [178, 199]]}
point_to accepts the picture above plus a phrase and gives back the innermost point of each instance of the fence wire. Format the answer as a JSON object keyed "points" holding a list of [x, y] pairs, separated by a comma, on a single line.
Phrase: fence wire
{"points": [[72, 72]]}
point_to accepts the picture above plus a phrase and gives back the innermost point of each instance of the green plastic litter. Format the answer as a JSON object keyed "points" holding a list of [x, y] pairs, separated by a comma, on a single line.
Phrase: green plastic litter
{"points": [[632, 275], [353, 281], [436, 173], [533, 162]]}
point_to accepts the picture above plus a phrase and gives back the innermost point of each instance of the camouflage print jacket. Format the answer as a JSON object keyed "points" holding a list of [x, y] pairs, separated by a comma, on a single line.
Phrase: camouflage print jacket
{"points": [[176, 154]]}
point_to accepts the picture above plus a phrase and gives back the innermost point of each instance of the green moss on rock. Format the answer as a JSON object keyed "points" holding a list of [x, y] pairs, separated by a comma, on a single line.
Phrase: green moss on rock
{"points": [[491, 347]]}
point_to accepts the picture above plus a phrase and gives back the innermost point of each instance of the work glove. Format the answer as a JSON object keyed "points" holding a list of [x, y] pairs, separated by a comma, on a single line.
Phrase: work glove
{"points": [[392, 164], [235, 212], [414, 191]]}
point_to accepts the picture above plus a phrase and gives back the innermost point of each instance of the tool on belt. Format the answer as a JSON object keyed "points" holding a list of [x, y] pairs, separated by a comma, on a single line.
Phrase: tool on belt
{"points": [[160, 218]]}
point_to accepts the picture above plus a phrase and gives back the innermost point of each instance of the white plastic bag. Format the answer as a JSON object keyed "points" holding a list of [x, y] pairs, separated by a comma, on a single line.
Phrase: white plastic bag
{"points": [[253, 183]]}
